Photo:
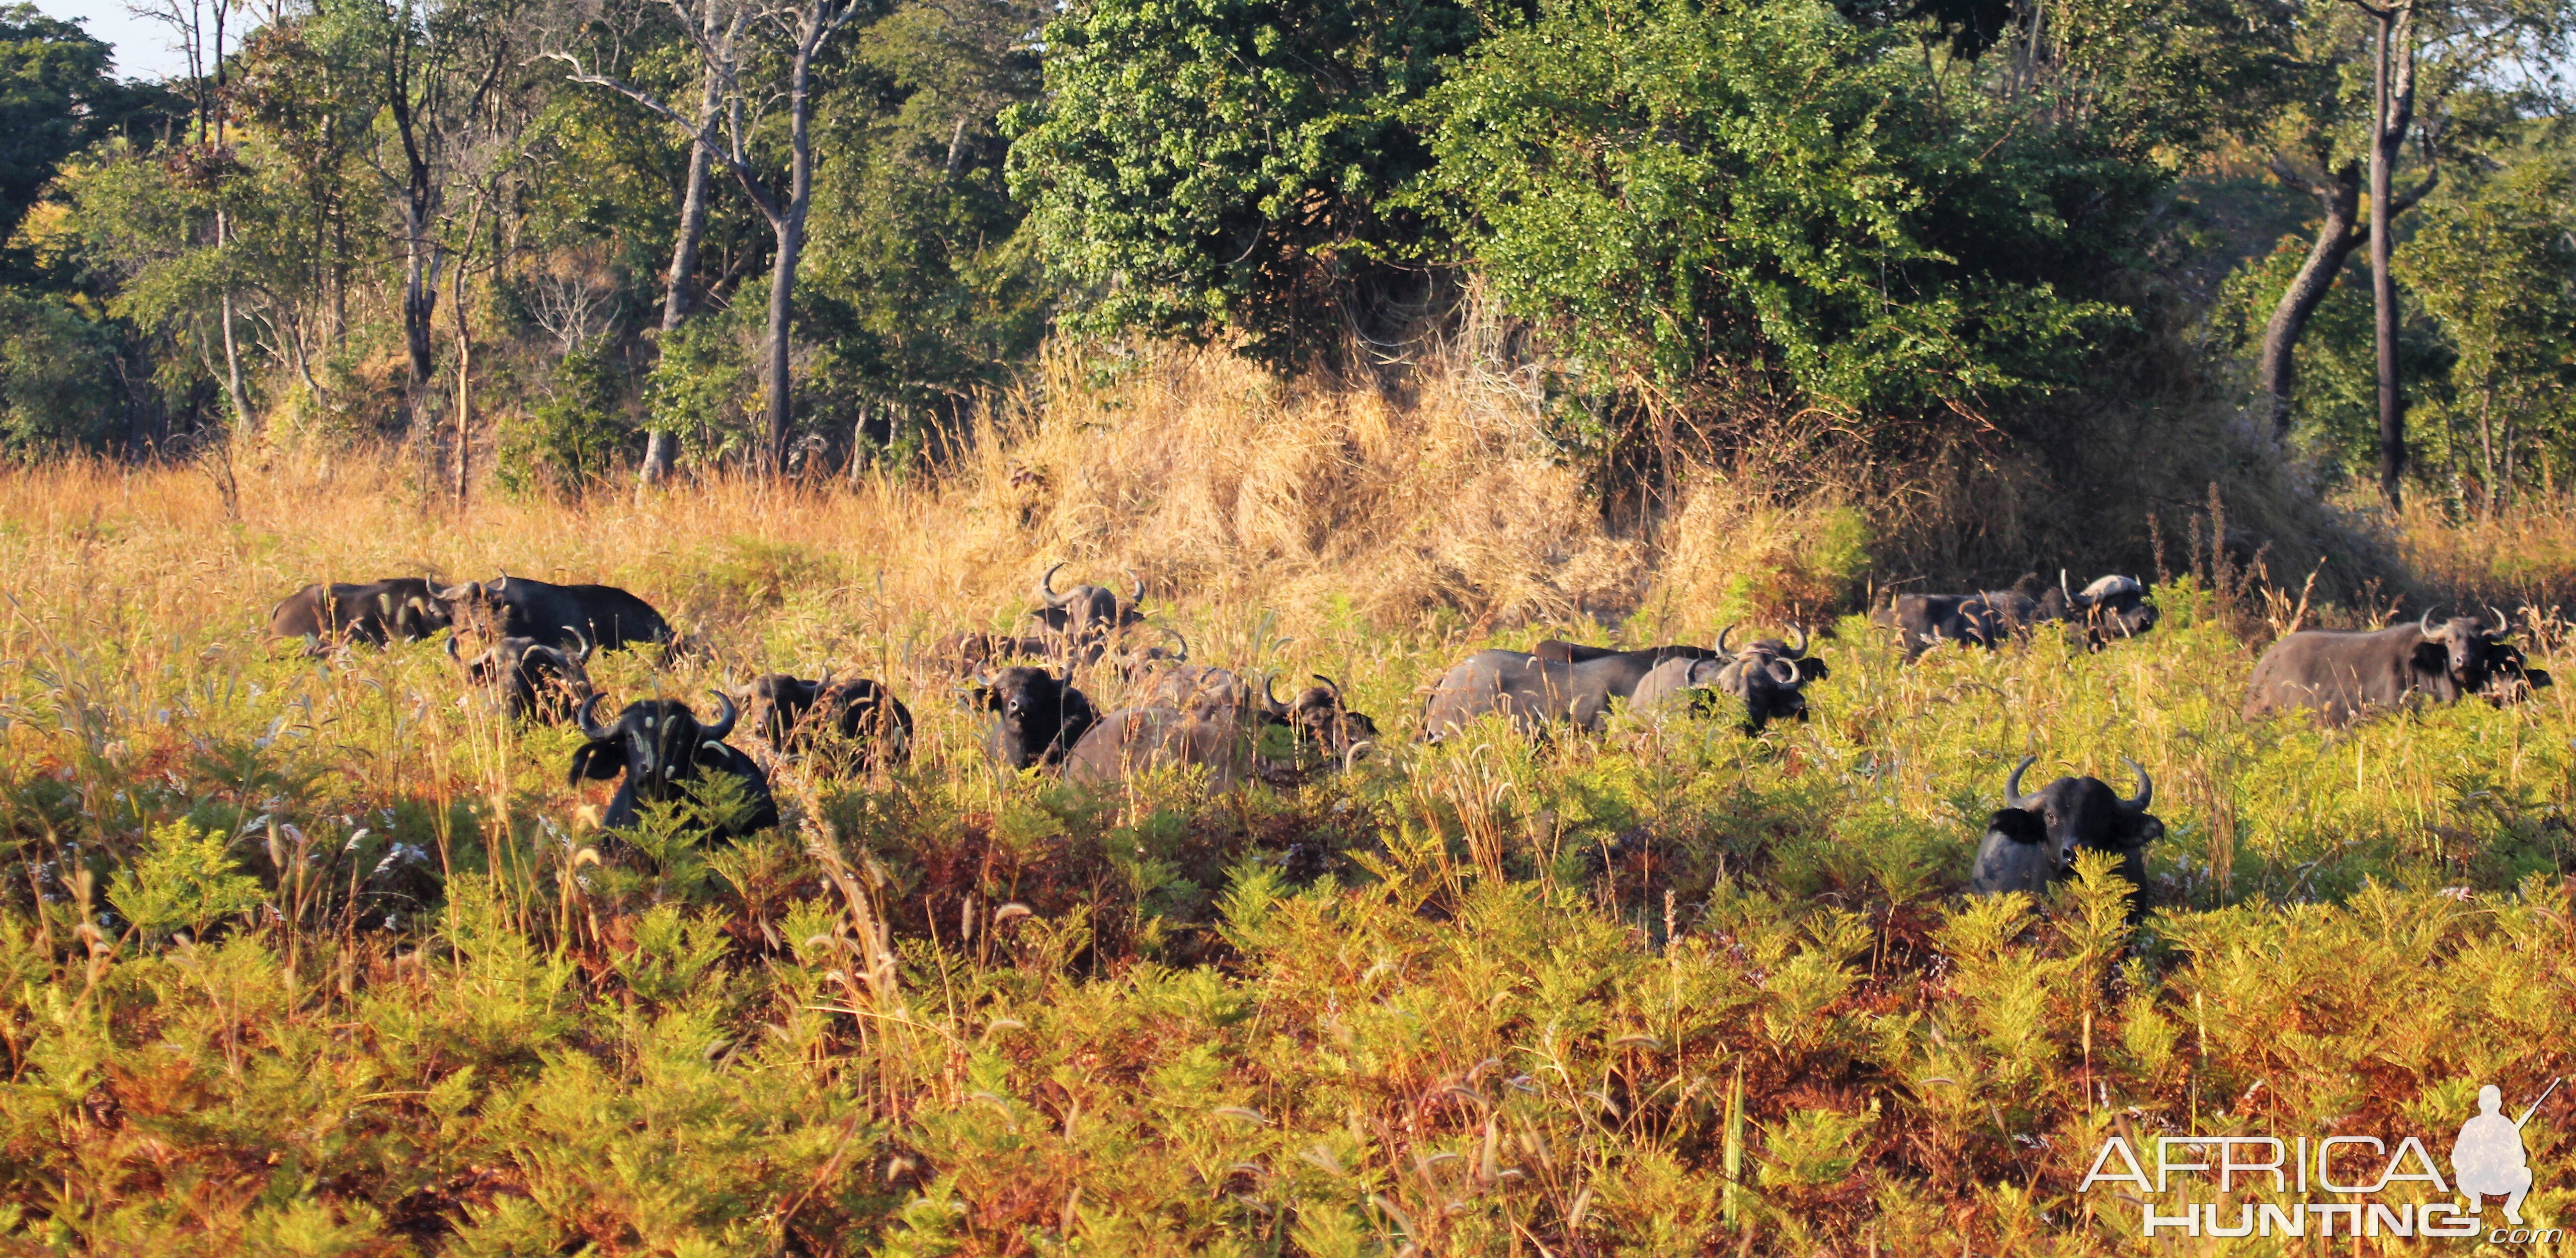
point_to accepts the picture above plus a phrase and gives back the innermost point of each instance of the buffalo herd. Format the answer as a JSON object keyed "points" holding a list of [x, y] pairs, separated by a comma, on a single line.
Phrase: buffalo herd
{"points": [[540, 638]]}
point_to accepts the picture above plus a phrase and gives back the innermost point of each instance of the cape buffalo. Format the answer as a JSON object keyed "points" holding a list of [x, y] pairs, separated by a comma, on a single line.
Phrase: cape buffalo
{"points": [[1042, 715], [1209, 717], [972, 652], [532, 679], [659, 746], [795, 712], [2032, 842], [1757, 686], [1082, 619], [1534, 691], [2341, 674], [557, 615], [374, 613], [2112, 607]]}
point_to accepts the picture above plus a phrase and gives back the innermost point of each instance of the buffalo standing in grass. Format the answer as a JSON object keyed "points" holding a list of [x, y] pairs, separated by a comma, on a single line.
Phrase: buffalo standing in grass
{"points": [[375, 613], [660, 747], [1041, 715], [2033, 840], [1535, 691], [794, 713], [557, 615], [2339, 675], [1082, 620], [532, 679]]}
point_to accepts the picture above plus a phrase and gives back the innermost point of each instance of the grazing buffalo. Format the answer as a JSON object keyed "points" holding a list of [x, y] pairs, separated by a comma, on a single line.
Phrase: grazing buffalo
{"points": [[2032, 842], [1534, 690], [2112, 607], [794, 713], [1211, 718], [659, 746], [533, 679], [1042, 715], [375, 613], [557, 615], [1082, 619], [2342, 674]]}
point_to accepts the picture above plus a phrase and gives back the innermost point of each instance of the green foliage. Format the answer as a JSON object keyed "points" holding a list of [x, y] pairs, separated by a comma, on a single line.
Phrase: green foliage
{"points": [[57, 372], [56, 97], [701, 386], [1694, 195], [572, 439], [1230, 166], [182, 880]]}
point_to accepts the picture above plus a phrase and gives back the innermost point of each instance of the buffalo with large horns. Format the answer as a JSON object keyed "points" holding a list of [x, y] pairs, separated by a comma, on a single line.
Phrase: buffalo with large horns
{"points": [[1757, 685], [531, 678], [660, 747], [557, 615], [1210, 718], [1083, 618], [1535, 691], [375, 613], [2339, 675], [1040, 714], [2032, 841]]}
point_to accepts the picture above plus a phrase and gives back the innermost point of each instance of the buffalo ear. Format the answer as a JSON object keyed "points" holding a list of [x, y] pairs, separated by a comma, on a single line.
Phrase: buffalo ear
{"points": [[1812, 669], [2142, 828], [2536, 677], [596, 760], [2019, 825]]}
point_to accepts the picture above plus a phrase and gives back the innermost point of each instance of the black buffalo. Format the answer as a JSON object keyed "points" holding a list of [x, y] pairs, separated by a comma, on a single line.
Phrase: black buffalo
{"points": [[557, 615], [794, 713], [375, 613], [1535, 691], [1757, 685], [533, 679], [2033, 840], [2110, 608], [2341, 674], [660, 747], [1082, 620], [1042, 715]]}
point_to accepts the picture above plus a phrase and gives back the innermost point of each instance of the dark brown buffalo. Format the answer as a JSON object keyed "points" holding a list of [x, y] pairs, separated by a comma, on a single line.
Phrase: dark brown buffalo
{"points": [[2339, 675], [659, 747], [2032, 842], [1041, 715], [2110, 608], [795, 714], [374, 613], [532, 679], [557, 615], [1082, 619]]}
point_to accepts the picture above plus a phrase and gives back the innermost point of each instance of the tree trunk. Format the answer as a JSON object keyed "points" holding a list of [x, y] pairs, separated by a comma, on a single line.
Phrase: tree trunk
{"points": [[464, 384], [790, 228], [2276, 371], [2393, 105], [659, 446], [234, 393]]}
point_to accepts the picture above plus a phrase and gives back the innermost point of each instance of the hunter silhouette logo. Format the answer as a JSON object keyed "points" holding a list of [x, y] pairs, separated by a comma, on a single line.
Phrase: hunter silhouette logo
{"points": [[2488, 1159]]}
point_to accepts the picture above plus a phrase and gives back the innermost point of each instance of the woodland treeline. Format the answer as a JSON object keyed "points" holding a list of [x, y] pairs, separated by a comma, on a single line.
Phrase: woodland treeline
{"points": [[550, 244]]}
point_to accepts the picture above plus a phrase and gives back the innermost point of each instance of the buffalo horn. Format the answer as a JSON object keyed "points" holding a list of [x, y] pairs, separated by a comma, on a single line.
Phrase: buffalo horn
{"points": [[1046, 588], [1783, 672], [725, 715], [2146, 787], [2502, 622], [1799, 652], [451, 648], [1139, 595], [2061, 588], [583, 656], [1722, 652], [2013, 798], [2425, 625], [1270, 695], [1335, 685], [589, 723], [1185, 643]]}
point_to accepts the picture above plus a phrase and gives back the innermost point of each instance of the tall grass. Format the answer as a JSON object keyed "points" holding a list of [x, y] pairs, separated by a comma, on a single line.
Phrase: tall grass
{"points": [[1486, 997]]}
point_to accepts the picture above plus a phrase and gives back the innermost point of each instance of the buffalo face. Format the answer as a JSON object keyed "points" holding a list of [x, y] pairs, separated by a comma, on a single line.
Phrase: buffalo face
{"points": [[1042, 715], [1319, 722], [2033, 840], [533, 680], [2111, 608], [2473, 660], [1083, 617], [659, 745]]}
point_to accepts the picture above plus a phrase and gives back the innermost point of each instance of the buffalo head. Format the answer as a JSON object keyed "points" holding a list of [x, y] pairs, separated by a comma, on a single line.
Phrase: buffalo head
{"points": [[1085, 613], [2033, 839], [1042, 715], [1318, 721], [533, 679], [659, 745]]}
